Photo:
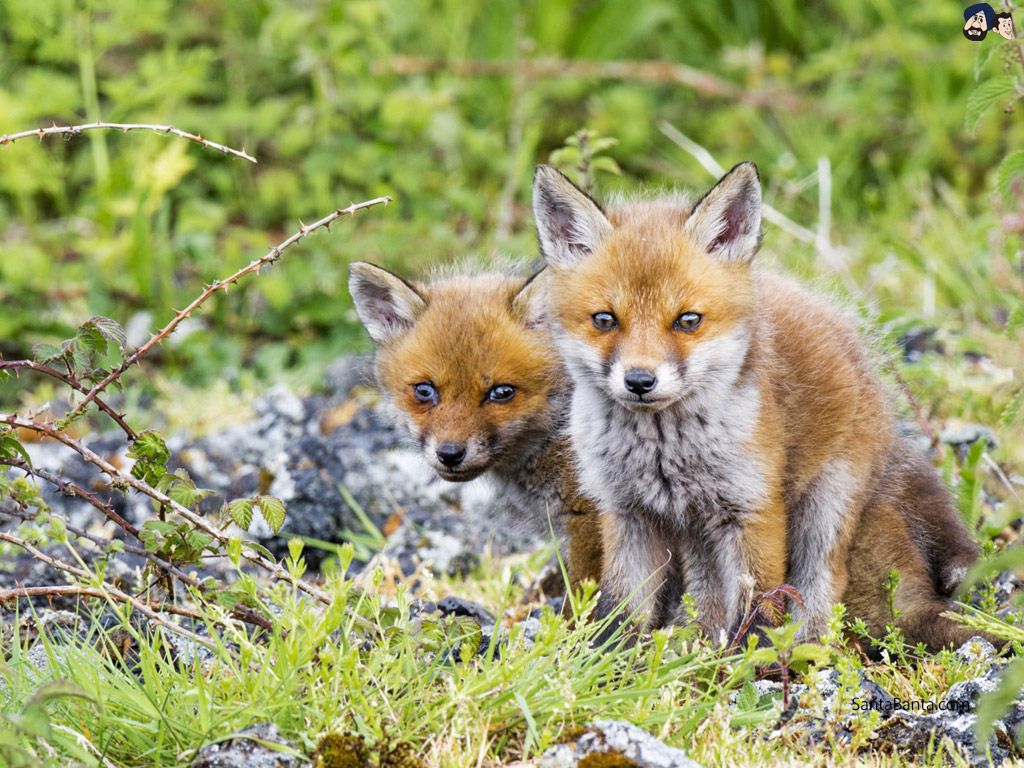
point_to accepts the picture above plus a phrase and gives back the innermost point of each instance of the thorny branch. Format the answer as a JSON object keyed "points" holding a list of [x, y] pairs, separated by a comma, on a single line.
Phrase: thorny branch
{"points": [[106, 591], [75, 384], [75, 130], [220, 285], [71, 489], [240, 612], [120, 478]]}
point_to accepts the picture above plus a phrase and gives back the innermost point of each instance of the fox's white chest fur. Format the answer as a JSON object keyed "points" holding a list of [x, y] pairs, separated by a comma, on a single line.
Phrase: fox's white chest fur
{"points": [[679, 464]]}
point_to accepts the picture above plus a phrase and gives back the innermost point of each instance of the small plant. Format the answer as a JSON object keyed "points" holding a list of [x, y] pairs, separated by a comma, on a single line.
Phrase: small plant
{"points": [[582, 158]]}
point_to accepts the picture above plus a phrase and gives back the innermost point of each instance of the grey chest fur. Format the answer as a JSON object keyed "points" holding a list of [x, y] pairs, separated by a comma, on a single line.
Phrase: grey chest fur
{"points": [[671, 464]]}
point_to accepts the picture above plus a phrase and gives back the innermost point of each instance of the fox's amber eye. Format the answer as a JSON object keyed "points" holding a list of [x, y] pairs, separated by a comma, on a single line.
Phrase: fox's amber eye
{"points": [[425, 392], [688, 321], [501, 393], [604, 321]]}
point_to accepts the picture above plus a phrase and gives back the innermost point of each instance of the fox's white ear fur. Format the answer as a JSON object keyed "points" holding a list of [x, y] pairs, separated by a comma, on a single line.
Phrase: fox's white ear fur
{"points": [[386, 304], [530, 302], [726, 222], [569, 223]]}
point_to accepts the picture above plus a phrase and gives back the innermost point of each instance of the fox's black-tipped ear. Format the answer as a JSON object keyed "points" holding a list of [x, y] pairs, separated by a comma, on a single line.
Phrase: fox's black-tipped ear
{"points": [[530, 302], [726, 222], [569, 223], [386, 304]]}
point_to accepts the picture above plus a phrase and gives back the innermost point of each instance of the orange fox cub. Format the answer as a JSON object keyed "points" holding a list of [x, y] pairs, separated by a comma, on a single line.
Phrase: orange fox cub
{"points": [[469, 370], [728, 423]]}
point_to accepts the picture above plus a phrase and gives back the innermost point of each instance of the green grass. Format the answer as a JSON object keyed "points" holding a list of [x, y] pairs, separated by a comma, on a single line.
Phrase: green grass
{"points": [[421, 682]]}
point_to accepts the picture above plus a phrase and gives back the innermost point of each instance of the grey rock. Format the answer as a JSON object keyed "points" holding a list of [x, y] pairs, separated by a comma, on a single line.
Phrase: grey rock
{"points": [[456, 606], [961, 438], [977, 649], [249, 749], [615, 736]]}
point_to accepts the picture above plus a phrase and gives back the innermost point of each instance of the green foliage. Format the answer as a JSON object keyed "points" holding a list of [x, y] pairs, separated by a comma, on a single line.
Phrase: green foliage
{"points": [[151, 456], [25, 734], [971, 483], [121, 225], [985, 95], [582, 158], [1011, 175]]}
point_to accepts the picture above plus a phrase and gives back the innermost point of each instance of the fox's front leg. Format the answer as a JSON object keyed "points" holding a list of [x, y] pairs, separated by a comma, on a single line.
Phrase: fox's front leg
{"points": [[635, 556], [821, 525], [728, 553]]}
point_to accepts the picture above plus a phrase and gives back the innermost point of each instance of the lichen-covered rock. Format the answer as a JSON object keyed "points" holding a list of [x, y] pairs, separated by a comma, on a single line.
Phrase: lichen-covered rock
{"points": [[615, 744], [260, 746]]}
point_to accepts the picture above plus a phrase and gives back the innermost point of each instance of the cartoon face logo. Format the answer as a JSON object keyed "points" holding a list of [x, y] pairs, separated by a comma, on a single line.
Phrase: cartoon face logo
{"points": [[978, 20], [1004, 25]]}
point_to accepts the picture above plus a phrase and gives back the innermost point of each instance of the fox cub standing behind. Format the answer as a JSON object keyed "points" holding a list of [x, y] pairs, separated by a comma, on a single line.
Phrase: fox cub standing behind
{"points": [[730, 425], [471, 373]]}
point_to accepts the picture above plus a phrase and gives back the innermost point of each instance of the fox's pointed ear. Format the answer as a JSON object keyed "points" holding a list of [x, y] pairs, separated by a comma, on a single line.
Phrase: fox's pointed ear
{"points": [[530, 302], [726, 222], [386, 304], [569, 223]]}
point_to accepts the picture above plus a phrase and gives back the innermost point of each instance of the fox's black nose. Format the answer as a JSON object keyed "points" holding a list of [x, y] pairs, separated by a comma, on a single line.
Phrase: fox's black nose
{"points": [[640, 382], [451, 454]]}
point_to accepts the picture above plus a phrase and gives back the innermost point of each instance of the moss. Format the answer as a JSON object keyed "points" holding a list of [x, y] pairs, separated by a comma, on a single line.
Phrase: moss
{"points": [[340, 750], [401, 755], [613, 759], [572, 733]]}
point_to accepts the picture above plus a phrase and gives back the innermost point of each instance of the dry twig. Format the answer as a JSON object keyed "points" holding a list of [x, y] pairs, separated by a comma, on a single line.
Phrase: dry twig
{"points": [[655, 72], [75, 130], [220, 285]]}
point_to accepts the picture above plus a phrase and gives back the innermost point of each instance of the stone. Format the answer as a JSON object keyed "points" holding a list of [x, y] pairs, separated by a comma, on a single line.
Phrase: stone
{"points": [[616, 738], [250, 748]]}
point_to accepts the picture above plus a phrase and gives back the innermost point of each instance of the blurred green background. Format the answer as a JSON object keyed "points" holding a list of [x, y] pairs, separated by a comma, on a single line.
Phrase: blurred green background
{"points": [[341, 101]]}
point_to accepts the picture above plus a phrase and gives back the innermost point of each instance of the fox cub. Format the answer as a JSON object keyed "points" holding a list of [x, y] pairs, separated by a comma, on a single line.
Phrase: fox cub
{"points": [[470, 371], [730, 425]]}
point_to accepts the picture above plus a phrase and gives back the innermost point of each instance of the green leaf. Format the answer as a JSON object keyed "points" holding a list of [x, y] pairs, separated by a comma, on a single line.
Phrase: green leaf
{"points": [[971, 482], [180, 488], [1011, 170], [981, 99], [109, 329], [91, 339], [240, 511], [606, 164], [273, 511], [747, 698], [151, 456], [1012, 409], [46, 353], [198, 540], [11, 448]]}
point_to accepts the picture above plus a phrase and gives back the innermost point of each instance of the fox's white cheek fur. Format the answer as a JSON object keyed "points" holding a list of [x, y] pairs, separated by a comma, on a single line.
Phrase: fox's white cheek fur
{"points": [[584, 363], [714, 365]]}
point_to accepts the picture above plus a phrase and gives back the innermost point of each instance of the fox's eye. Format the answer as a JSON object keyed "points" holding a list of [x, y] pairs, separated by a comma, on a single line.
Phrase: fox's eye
{"points": [[425, 392], [604, 321], [688, 321], [501, 393]]}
